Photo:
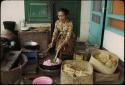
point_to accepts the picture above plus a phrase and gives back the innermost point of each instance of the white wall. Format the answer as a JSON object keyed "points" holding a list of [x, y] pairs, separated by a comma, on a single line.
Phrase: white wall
{"points": [[85, 19], [114, 43], [12, 11]]}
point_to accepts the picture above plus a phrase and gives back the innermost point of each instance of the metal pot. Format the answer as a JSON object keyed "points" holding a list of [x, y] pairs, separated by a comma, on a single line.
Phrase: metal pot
{"points": [[31, 45], [52, 67], [10, 25]]}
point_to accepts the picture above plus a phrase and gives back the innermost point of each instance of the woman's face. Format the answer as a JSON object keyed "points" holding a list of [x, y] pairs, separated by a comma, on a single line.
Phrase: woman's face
{"points": [[61, 16]]}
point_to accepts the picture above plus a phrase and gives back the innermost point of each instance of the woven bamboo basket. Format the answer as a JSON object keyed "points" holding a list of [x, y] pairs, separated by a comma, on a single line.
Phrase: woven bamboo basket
{"points": [[67, 78], [100, 77], [100, 67]]}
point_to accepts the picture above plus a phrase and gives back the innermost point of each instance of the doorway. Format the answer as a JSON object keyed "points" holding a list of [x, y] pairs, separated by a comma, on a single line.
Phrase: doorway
{"points": [[73, 7]]}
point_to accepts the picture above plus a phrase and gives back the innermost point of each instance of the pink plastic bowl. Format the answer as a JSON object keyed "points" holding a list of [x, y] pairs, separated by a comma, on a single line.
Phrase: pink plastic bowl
{"points": [[43, 80]]}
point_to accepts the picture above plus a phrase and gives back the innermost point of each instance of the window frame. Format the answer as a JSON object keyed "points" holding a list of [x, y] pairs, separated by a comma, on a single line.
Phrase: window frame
{"points": [[110, 15], [28, 19]]}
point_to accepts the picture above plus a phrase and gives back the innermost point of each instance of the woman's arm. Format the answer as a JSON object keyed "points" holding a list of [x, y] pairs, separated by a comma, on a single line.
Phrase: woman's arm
{"points": [[55, 33], [54, 36]]}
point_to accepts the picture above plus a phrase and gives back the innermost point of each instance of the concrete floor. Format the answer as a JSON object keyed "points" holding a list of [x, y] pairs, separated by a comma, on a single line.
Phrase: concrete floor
{"points": [[32, 71], [55, 75]]}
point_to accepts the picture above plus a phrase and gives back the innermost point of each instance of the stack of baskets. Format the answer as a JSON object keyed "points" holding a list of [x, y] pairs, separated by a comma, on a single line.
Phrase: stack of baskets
{"points": [[76, 72], [105, 64]]}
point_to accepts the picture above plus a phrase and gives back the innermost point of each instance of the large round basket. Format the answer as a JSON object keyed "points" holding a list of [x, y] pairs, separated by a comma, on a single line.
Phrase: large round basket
{"points": [[67, 78], [100, 67]]}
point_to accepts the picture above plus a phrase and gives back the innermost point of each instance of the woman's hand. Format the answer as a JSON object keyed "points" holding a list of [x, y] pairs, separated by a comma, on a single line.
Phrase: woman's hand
{"points": [[50, 45]]}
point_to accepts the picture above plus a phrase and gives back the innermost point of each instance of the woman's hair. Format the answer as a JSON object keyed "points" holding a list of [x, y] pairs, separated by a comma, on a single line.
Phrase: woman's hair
{"points": [[64, 10]]}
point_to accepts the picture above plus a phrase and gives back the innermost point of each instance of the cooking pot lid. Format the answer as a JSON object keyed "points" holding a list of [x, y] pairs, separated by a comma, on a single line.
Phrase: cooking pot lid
{"points": [[31, 43]]}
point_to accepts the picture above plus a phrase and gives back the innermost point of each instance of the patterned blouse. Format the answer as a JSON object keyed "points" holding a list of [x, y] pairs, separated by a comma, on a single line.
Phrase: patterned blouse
{"points": [[61, 33]]}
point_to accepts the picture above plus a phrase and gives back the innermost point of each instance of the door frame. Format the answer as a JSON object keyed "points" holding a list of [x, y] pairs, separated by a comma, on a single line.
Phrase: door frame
{"points": [[102, 22], [103, 26]]}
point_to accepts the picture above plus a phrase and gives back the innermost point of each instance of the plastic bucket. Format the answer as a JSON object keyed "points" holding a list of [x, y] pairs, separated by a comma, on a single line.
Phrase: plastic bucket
{"points": [[42, 80]]}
